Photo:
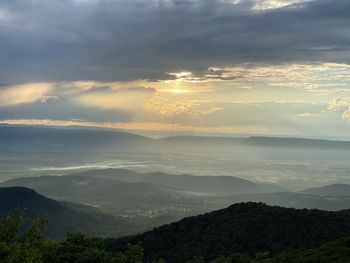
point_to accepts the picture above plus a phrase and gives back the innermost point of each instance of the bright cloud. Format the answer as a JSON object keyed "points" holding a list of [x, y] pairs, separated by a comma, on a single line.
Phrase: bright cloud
{"points": [[305, 76], [273, 4], [23, 94], [341, 104], [131, 99]]}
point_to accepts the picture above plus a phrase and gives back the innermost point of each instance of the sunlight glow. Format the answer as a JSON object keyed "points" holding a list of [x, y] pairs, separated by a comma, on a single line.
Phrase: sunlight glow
{"points": [[176, 90], [143, 126]]}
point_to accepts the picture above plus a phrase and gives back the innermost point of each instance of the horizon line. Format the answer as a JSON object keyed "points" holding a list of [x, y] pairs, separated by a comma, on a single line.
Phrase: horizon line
{"points": [[60, 124]]}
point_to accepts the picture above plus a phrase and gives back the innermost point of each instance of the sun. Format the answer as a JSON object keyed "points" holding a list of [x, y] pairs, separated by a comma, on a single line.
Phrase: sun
{"points": [[178, 91]]}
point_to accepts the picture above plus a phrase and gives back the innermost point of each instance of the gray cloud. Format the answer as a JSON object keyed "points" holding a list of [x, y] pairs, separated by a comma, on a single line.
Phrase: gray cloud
{"points": [[63, 109], [109, 40]]}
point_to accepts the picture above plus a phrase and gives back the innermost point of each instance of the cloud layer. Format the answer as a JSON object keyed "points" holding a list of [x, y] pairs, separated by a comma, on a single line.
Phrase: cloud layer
{"points": [[114, 40], [260, 66]]}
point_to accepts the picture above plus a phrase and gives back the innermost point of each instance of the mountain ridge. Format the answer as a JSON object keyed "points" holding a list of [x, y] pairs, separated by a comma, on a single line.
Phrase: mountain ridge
{"points": [[329, 190], [33, 131], [62, 219], [245, 227]]}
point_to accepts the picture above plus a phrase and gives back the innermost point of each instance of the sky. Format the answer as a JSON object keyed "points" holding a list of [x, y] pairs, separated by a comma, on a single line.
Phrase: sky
{"points": [[217, 67]]}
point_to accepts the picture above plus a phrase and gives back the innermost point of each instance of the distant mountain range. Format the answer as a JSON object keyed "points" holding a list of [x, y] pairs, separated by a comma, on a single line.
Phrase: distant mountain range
{"points": [[63, 218], [152, 199], [49, 138], [245, 227], [120, 188], [259, 141], [42, 137], [146, 200], [187, 183], [95, 190], [329, 190], [115, 196], [145, 204], [118, 202]]}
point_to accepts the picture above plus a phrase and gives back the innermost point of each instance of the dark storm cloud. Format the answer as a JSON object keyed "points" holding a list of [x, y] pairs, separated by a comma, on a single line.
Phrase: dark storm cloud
{"points": [[108, 40]]}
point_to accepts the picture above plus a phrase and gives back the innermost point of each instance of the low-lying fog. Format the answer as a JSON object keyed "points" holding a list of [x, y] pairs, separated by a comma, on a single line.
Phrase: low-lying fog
{"points": [[292, 167]]}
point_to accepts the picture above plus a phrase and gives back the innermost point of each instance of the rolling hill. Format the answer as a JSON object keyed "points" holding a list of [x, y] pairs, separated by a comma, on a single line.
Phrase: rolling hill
{"points": [[185, 182], [62, 218], [291, 199], [154, 199], [244, 227], [95, 190], [147, 205]]}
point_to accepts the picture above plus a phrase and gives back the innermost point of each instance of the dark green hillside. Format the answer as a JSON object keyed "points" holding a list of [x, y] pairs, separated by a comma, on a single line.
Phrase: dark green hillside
{"points": [[337, 251], [62, 219], [245, 227], [30, 246], [292, 199]]}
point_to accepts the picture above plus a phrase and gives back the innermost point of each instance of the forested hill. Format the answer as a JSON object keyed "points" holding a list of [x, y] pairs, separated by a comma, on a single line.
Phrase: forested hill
{"points": [[245, 227], [63, 219]]}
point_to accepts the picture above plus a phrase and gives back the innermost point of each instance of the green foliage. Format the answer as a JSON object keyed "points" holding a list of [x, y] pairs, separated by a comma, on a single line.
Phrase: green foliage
{"points": [[27, 245], [21, 248], [261, 257], [161, 260], [196, 260], [245, 227], [133, 254], [19, 245], [79, 249], [337, 251], [234, 258]]}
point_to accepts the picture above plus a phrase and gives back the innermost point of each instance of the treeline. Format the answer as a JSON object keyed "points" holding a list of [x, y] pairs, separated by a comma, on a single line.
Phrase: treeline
{"points": [[28, 245], [18, 245], [245, 227]]}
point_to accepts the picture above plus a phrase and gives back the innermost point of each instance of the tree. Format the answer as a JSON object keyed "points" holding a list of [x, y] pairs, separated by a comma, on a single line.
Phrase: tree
{"points": [[17, 247]]}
